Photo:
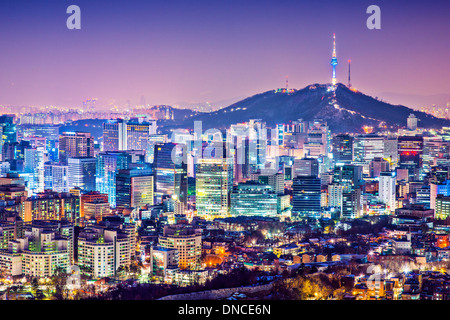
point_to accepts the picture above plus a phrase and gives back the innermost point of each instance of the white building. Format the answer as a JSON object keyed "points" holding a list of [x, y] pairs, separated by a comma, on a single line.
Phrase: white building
{"points": [[387, 190]]}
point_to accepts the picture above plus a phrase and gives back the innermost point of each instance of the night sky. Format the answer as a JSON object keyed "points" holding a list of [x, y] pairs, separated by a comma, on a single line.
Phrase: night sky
{"points": [[187, 51]]}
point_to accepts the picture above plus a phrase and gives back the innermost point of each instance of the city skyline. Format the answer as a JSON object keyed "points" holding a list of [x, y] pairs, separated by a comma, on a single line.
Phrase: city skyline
{"points": [[197, 51]]}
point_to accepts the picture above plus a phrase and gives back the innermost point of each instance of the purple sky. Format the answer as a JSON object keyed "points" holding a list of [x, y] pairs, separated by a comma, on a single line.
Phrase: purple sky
{"points": [[189, 51]]}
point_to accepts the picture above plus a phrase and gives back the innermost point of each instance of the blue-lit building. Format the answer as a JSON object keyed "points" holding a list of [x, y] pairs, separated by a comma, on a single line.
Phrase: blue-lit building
{"points": [[108, 164], [134, 187], [254, 199], [306, 196]]}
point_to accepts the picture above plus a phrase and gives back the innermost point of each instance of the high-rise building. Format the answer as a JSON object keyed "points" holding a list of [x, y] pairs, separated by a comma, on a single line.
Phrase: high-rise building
{"points": [[387, 190], [108, 164], [214, 183], [133, 134], [351, 204], [114, 135], [170, 171], [306, 167], [276, 181], [367, 147], [306, 195], [438, 188], [391, 150], [40, 252], [51, 205], [412, 122], [335, 194], [75, 144], [134, 188], [248, 143], [138, 133], [102, 251], [56, 177], [96, 210], [442, 208], [162, 260], [254, 199], [8, 130], [34, 169], [410, 150], [91, 196], [318, 139], [378, 165], [187, 240], [82, 172], [342, 148], [348, 174]]}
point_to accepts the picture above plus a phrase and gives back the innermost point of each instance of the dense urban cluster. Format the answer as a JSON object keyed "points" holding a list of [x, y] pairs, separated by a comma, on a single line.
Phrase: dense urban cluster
{"points": [[293, 211]]}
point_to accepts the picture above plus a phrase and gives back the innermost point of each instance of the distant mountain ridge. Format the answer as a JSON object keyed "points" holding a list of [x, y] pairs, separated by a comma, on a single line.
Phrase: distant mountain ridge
{"points": [[344, 110]]}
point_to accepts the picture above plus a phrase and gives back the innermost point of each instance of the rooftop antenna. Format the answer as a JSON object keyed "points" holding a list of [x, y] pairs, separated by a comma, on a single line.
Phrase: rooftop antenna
{"points": [[349, 82], [287, 83]]}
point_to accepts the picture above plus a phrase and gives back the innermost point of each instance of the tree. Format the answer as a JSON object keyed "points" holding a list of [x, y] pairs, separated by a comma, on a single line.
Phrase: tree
{"points": [[34, 285], [59, 280]]}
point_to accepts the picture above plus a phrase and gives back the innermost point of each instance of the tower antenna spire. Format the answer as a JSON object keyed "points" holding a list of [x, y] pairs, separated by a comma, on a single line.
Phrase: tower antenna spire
{"points": [[334, 45]]}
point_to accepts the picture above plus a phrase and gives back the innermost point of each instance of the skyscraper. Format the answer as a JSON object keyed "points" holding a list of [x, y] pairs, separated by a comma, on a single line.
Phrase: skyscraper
{"points": [[306, 195], [410, 153], [134, 188], [170, 170], [75, 144], [114, 135], [351, 204], [34, 169], [305, 167], [56, 177], [8, 132], [342, 148], [82, 173], [252, 198], [108, 164], [367, 147], [214, 183], [138, 133], [133, 134]]}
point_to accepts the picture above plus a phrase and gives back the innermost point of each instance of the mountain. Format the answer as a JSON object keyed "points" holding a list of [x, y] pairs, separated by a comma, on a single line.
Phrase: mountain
{"points": [[344, 110], [416, 101]]}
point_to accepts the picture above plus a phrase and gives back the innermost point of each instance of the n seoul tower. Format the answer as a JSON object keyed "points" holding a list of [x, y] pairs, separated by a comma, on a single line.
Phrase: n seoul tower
{"points": [[334, 61]]}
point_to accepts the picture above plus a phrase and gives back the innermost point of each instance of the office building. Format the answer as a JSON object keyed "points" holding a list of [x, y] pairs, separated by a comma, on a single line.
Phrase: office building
{"points": [[75, 145], [108, 165], [134, 188], [306, 196], [82, 173], [254, 199], [56, 177], [214, 183], [342, 148], [170, 171]]}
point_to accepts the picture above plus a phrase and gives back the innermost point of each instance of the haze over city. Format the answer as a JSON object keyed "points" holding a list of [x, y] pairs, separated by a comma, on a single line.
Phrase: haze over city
{"points": [[185, 52]]}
